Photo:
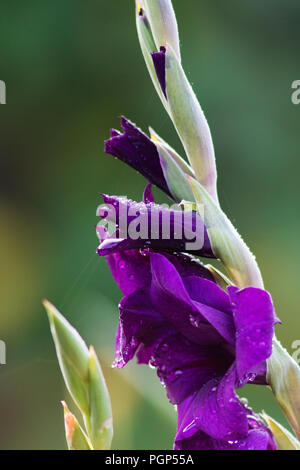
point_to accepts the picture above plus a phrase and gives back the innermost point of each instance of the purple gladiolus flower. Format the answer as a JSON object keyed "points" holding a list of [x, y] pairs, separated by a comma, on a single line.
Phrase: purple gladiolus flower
{"points": [[137, 150], [204, 343], [159, 227]]}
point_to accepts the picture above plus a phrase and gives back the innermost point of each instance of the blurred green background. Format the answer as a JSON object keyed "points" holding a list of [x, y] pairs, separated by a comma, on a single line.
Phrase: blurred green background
{"points": [[71, 68]]}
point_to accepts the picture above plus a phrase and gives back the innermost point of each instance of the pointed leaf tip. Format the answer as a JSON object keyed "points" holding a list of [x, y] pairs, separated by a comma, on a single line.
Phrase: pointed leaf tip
{"points": [[75, 436], [283, 438]]}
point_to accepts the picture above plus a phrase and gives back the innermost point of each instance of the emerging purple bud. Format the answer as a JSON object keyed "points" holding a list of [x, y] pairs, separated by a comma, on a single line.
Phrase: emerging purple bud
{"points": [[159, 62], [138, 151]]}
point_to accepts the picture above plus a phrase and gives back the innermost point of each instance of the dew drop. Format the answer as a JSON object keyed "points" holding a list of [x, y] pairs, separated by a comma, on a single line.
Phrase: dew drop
{"points": [[189, 427]]}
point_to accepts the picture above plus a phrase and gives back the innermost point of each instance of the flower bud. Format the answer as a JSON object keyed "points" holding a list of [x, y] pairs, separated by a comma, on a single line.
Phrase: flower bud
{"points": [[84, 379], [148, 46], [161, 16]]}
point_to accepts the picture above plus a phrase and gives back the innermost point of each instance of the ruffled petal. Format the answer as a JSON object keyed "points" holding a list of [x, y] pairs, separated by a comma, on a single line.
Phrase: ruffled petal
{"points": [[183, 366], [254, 318], [218, 412], [256, 440], [199, 323], [212, 304], [130, 270], [140, 326]]}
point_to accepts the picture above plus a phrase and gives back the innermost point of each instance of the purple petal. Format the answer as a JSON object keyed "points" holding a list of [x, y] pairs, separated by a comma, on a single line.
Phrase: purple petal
{"points": [[213, 304], [130, 270], [256, 440], [137, 150], [147, 195], [217, 410], [253, 313], [159, 228], [198, 322], [140, 325], [186, 266], [184, 367], [159, 62], [208, 293]]}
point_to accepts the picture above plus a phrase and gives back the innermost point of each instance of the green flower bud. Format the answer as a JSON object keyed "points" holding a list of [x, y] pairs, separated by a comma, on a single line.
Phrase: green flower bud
{"points": [[148, 46], [84, 379], [161, 16]]}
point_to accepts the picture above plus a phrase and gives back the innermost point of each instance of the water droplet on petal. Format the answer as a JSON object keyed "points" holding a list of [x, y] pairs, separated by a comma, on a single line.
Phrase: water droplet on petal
{"points": [[189, 427]]}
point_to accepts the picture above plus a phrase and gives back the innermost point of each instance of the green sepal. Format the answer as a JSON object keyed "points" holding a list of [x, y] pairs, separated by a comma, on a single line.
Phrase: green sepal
{"points": [[190, 123], [283, 376], [174, 175], [161, 16], [283, 438], [73, 356], [99, 423], [226, 243], [75, 436], [186, 168]]}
